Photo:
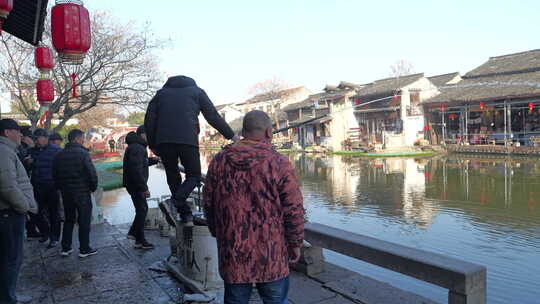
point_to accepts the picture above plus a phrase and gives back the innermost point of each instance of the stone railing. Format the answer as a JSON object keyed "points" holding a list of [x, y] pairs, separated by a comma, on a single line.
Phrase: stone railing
{"points": [[465, 281]]}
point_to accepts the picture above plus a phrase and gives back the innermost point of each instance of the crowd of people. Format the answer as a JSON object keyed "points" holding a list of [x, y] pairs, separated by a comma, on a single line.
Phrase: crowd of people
{"points": [[251, 199]]}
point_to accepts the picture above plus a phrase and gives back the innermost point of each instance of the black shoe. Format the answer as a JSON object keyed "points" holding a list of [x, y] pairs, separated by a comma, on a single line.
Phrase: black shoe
{"points": [[52, 244], [84, 254], [66, 253], [144, 245]]}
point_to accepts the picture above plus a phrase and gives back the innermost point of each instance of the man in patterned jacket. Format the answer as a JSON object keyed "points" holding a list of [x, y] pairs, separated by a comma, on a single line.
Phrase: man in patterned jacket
{"points": [[254, 208]]}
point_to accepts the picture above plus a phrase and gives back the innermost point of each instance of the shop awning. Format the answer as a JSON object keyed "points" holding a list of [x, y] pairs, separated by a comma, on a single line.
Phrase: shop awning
{"points": [[26, 20]]}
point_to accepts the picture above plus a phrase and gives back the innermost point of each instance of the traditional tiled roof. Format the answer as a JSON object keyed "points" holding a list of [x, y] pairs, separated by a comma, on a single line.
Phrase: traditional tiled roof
{"points": [[502, 77], [441, 80]]}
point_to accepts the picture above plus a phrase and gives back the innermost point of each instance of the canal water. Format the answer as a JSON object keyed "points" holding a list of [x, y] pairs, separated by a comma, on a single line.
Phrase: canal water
{"points": [[482, 209]]}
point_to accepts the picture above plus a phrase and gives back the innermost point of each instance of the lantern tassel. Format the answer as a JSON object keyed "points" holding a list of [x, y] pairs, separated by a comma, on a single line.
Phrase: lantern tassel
{"points": [[73, 85], [1, 25]]}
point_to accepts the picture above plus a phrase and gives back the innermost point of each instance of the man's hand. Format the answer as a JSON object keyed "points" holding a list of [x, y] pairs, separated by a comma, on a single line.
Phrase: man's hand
{"points": [[146, 193], [294, 255], [236, 138]]}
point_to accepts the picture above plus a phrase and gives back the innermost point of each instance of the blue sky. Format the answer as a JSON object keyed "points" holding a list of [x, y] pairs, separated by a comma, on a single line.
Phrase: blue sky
{"points": [[229, 45]]}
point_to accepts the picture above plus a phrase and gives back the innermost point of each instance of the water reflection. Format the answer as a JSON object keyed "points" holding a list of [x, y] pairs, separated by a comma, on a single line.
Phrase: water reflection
{"points": [[482, 209]]}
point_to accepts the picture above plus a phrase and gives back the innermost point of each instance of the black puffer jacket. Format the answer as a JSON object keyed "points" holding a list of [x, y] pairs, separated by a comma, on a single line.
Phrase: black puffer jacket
{"points": [[136, 164], [42, 165], [73, 170], [172, 115]]}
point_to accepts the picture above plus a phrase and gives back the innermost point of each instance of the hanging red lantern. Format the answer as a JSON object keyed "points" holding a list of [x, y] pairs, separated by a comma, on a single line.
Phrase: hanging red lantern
{"points": [[6, 6], [482, 105], [426, 128], [443, 108], [357, 101], [44, 59], [45, 91], [452, 116], [71, 36], [531, 107], [396, 99], [70, 28]]}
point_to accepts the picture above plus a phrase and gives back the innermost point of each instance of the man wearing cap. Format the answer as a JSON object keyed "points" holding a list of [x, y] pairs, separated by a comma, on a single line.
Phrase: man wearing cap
{"points": [[45, 191], [56, 139], [135, 180], [23, 151], [16, 200]]}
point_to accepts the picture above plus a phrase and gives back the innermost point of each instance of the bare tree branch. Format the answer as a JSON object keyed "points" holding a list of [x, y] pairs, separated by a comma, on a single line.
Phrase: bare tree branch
{"points": [[121, 68]]}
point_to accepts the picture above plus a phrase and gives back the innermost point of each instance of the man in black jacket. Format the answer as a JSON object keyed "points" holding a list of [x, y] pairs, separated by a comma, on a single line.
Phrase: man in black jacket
{"points": [[46, 194], [172, 128], [75, 176], [135, 177]]}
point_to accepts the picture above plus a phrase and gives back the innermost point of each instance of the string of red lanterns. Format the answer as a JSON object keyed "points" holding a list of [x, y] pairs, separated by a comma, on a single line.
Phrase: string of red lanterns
{"points": [[6, 6]]}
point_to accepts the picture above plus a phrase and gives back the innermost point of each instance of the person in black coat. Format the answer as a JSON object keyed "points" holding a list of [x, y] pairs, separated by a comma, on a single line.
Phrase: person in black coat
{"points": [[135, 178], [172, 129], [45, 192], [75, 175]]}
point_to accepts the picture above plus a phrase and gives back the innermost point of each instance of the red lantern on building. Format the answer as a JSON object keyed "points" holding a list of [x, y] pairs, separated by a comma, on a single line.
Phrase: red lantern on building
{"points": [[452, 116], [6, 6], [71, 36], [44, 59], [531, 107], [444, 108], [482, 105], [45, 92], [357, 101]]}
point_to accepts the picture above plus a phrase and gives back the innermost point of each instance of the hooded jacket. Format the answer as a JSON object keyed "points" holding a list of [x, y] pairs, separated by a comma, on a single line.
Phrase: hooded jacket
{"points": [[172, 115], [136, 162], [16, 192], [73, 170], [254, 208]]}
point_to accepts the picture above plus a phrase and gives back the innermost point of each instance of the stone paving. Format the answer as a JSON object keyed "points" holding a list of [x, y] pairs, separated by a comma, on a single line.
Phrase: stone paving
{"points": [[119, 274]]}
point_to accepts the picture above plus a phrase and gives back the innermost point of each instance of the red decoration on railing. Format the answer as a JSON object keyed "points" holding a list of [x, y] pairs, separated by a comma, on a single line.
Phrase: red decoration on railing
{"points": [[6, 6], [482, 105], [44, 60], [444, 108], [531, 107]]}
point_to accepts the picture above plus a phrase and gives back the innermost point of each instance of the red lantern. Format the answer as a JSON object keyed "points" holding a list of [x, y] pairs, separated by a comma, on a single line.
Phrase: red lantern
{"points": [[6, 6], [426, 128], [70, 27], [44, 59], [443, 108], [452, 116], [531, 107], [482, 105], [71, 36], [45, 91], [357, 101]]}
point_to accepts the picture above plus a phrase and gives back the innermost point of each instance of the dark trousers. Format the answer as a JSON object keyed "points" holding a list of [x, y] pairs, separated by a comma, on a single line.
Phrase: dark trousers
{"points": [[190, 159], [141, 210], [48, 218], [11, 254], [271, 293], [77, 207]]}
